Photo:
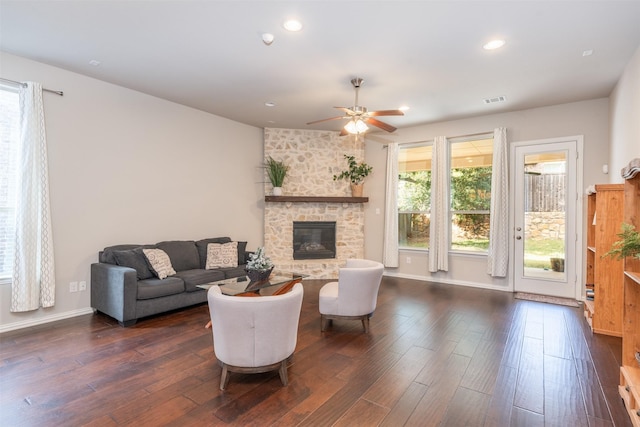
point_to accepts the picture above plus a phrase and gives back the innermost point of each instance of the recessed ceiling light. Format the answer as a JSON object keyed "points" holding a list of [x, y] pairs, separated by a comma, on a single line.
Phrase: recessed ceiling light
{"points": [[270, 104], [587, 52], [494, 44], [94, 62], [404, 108], [292, 25]]}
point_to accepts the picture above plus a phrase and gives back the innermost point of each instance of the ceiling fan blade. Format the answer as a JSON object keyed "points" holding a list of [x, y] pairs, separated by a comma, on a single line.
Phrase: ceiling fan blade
{"points": [[325, 120], [346, 110], [381, 125], [386, 113]]}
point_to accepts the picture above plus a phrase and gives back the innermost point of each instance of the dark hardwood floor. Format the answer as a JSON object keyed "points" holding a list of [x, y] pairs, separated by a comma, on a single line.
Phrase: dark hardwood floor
{"points": [[436, 355]]}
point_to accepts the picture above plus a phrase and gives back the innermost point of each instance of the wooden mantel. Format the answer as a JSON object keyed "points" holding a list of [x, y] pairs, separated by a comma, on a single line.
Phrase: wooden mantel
{"points": [[315, 199]]}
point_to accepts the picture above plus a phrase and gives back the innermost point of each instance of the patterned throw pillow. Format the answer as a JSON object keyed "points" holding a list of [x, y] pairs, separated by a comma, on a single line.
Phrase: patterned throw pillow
{"points": [[222, 255], [159, 262]]}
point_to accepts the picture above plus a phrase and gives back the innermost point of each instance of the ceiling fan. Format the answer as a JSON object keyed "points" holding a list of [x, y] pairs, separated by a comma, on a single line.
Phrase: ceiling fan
{"points": [[359, 117]]}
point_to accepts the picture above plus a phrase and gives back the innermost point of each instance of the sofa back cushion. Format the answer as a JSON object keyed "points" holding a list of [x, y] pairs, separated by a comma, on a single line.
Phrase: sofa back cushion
{"points": [[183, 254], [106, 255], [133, 258]]}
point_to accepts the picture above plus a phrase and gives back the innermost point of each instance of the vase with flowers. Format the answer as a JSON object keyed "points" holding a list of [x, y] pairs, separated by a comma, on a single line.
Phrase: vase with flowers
{"points": [[259, 266]]}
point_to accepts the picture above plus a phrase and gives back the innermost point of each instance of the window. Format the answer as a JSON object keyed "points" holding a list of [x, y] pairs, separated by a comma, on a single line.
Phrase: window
{"points": [[9, 129], [470, 193], [414, 195]]}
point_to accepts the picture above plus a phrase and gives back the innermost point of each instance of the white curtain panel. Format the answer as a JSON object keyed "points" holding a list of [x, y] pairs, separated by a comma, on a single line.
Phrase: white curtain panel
{"points": [[498, 254], [390, 251], [33, 273], [439, 226]]}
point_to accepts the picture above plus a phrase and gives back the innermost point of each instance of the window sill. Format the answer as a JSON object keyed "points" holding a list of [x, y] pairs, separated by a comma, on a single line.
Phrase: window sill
{"points": [[5, 281]]}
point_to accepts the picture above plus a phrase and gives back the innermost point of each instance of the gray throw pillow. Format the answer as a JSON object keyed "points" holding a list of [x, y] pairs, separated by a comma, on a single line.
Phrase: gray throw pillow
{"points": [[242, 248], [134, 258]]}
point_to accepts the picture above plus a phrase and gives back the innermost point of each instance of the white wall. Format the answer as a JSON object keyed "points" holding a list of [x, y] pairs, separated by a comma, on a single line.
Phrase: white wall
{"points": [[588, 118], [625, 119], [126, 167]]}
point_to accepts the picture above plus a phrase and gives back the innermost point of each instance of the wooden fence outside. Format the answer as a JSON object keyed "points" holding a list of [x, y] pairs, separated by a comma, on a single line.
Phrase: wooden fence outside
{"points": [[545, 193]]}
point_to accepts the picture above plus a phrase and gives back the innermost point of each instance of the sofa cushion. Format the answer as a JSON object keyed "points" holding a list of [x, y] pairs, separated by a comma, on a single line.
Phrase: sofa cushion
{"points": [[242, 248], [183, 254], [193, 278], [154, 288], [106, 255], [201, 245], [222, 255], [159, 262], [133, 258], [233, 271]]}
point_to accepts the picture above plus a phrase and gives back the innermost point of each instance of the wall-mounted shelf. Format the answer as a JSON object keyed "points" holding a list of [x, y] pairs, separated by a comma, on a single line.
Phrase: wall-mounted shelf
{"points": [[314, 199]]}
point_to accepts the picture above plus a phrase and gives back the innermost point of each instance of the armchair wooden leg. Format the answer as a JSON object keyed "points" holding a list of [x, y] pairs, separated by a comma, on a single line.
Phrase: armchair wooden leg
{"points": [[224, 378], [365, 323], [283, 373]]}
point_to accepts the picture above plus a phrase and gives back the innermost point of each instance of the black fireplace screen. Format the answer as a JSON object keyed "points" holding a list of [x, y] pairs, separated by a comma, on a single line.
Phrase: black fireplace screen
{"points": [[314, 239]]}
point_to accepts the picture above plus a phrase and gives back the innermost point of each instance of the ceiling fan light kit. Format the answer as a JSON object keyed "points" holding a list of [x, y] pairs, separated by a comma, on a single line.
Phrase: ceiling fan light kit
{"points": [[356, 126], [359, 116]]}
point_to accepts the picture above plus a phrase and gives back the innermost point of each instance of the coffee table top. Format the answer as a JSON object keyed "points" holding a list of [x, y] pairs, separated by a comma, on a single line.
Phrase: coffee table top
{"points": [[242, 284]]}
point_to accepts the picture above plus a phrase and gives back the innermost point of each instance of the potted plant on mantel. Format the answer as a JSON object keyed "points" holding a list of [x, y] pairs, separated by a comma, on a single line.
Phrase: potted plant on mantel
{"points": [[355, 174], [277, 171]]}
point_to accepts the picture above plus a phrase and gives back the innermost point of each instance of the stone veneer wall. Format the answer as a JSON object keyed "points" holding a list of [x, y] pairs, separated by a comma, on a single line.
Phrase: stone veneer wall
{"points": [[313, 157]]}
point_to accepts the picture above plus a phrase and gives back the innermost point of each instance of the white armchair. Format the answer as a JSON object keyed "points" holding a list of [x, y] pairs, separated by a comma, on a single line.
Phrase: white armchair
{"points": [[354, 295], [254, 334]]}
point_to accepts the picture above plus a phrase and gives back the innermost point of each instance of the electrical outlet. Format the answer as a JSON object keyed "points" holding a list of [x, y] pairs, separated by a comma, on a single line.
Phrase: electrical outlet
{"points": [[73, 286], [408, 260], [82, 286]]}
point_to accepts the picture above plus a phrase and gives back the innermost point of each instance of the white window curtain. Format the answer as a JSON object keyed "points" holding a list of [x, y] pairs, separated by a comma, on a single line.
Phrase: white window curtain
{"points": [[390, 251], [498, 253], [33, 283], [438, 245]]}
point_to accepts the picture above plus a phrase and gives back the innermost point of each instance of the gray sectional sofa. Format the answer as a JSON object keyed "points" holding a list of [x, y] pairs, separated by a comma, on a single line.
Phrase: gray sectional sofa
{"points": [[124, 286]]}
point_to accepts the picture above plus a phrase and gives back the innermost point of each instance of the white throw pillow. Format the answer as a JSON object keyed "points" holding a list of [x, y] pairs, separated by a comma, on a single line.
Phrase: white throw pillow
{"points": [[159, 262], [222, 255]]}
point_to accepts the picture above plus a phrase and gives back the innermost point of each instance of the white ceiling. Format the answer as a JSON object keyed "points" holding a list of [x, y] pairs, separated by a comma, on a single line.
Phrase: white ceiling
{"points": [[426, 54]]}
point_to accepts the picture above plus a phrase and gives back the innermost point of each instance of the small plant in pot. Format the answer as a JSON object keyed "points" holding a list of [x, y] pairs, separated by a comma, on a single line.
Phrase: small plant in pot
{"points": [[628, 245], [355, 174], [276, 171], [259, 266]]}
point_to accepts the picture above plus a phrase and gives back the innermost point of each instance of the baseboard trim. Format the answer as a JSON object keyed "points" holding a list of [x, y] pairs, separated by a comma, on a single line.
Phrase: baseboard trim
{"points": [[450, 282], [46, 319]]}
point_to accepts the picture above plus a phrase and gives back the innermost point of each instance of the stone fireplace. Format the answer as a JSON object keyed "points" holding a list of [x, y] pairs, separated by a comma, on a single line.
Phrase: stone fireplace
{"points": [[313, 158]]}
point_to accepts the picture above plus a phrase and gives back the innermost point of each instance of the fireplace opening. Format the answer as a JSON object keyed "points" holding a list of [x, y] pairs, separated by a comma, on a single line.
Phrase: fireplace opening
{"points": [[314, 239]]}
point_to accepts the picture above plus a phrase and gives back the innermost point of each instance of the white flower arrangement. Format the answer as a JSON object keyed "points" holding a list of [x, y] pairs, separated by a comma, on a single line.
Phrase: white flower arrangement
{"points": [[259, 261]]}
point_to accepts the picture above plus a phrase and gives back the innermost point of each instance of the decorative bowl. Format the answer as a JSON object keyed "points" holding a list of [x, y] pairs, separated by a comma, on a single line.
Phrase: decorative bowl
{"points": [[259, 275]]}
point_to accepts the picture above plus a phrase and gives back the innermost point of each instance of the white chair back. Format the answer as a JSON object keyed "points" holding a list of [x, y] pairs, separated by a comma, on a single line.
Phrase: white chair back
{"points": [[254, 331], [358, 285]]}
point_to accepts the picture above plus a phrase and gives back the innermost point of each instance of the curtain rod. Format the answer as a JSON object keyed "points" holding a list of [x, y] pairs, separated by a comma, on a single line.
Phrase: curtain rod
{"points": [[57, 92], [469, 135]]}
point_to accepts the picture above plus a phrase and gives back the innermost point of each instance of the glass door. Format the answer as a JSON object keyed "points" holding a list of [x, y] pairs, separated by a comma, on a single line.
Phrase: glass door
{"points": [[545, 218]]}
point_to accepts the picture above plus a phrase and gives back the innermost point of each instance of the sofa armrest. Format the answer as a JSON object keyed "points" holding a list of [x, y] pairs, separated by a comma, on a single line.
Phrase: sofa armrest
{"points": [[114, 291]]}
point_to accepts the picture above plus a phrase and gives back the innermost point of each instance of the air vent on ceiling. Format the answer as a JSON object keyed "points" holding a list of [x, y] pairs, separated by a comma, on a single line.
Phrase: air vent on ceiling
{"points": [[494, 100]]}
